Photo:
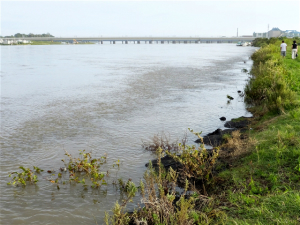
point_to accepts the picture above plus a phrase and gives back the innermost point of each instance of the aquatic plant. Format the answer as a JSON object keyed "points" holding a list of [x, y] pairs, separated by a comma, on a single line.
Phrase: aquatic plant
{"points": [[77, 167], [23, 178]]}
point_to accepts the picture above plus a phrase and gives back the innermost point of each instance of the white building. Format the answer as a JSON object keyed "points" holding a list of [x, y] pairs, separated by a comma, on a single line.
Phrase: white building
{"points": [[7, 42], [26, 42]]}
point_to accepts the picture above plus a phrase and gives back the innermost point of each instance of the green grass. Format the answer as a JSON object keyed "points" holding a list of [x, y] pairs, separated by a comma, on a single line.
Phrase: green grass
{"points": [[264, 187], [45, 43]]}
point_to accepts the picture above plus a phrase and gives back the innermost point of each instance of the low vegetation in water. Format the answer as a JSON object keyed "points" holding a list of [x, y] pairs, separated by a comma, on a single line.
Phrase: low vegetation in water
{"points": [[26, 176], [83, 170]]}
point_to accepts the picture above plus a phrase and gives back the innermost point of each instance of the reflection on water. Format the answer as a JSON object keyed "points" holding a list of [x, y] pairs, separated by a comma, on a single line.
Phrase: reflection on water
{"points": [[104, 99]]}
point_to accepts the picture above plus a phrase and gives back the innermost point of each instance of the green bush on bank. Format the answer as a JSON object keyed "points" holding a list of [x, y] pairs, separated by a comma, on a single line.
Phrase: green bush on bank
{"points": [[270, 87]]}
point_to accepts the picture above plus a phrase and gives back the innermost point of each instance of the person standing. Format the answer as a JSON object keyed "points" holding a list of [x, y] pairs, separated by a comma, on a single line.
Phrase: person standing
{"points": [[294, 50], [283, 49]]}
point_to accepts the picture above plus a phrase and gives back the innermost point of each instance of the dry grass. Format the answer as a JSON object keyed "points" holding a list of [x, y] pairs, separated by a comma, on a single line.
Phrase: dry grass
{"points": [[236, 147], [163, 141]]}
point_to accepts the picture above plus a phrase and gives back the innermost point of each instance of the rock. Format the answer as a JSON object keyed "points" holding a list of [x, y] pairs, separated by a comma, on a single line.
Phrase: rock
{"points": [[239, 91], [239, 123], [216, 132], [215, 138], [167, 162], [223, 118]]}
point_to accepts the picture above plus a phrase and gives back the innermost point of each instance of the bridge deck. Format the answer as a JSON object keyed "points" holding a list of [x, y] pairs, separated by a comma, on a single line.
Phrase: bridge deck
{"points": [[188, 39]]}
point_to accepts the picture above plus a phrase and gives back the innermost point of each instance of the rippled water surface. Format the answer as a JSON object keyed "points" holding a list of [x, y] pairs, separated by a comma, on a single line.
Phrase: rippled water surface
{"points": [[104, 99]]}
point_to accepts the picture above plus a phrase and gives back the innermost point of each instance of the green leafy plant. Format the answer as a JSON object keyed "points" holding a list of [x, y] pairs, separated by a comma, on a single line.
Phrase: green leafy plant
{"points": [[24, 177], [87, 166]]}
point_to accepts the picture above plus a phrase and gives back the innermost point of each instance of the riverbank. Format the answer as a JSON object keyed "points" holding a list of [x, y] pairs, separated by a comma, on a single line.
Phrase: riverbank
{"points": [[253, 177]]}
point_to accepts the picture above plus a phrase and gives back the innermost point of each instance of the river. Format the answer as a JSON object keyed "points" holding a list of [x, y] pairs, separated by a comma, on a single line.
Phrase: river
{"points": [[104, 99]]}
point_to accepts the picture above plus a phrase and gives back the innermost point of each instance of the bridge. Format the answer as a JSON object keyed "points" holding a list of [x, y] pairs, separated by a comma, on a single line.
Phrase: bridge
{"points": [[139, 40]]}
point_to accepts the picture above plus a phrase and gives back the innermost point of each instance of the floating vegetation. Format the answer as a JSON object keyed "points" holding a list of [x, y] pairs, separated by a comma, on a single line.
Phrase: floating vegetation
{"points": [[229, 97], [83, 169], [244, 70], [25, 177]]}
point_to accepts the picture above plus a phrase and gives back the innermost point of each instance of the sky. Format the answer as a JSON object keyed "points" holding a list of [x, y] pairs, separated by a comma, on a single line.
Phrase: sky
{"points": [[147, 18]]}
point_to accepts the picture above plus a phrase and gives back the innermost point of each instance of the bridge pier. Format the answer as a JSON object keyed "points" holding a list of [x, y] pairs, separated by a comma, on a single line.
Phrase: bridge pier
{"points": [[162, 42], [126, 42], [150, 42], [114, 42], [174, 42], [101, 42], [138, 42]]}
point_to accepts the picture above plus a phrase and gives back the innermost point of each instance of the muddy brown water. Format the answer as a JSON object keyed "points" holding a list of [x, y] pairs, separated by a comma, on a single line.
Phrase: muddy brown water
{"points": [[104, 99]]}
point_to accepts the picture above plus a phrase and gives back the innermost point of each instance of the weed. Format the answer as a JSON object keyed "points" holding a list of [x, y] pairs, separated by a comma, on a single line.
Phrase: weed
{"points": [[87, 165], [24, 177], [163, 141], [229, 97]]}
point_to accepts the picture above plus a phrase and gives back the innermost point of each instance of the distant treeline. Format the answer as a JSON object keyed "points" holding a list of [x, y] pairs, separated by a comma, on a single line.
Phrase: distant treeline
{"points": [[19, 35], [262, 42]]}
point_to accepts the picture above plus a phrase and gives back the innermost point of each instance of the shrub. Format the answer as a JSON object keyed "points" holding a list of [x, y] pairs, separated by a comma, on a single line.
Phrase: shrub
{"points": [[268, 86]]}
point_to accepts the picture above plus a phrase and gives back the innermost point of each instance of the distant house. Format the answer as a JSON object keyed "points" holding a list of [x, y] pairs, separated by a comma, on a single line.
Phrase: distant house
{"points": [[7, 42], [26, 42], [1, 41]]}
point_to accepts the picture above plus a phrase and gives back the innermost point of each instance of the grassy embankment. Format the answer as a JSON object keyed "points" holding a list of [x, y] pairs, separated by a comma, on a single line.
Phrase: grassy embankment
{"points": [[261, 184], [44, 43], [264, 187]]}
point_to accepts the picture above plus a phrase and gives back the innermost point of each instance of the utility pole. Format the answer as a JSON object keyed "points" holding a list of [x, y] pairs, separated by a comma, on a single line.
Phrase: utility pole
{"points": [[268, 32], [237, 32]]}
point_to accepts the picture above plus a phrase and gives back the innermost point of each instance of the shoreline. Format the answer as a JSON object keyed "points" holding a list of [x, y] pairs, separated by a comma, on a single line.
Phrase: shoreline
{"points": [[254, 167]]}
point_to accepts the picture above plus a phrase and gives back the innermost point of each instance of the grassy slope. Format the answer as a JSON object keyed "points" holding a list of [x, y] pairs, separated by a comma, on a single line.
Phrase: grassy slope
{"points": [[45, 43], [265, 186]]}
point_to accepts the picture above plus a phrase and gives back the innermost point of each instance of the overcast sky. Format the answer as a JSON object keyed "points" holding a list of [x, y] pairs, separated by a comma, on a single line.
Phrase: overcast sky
{"points": [[145, 18]]}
